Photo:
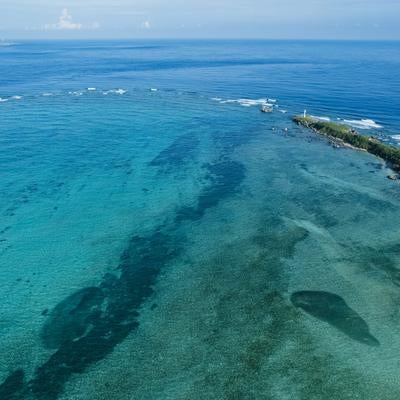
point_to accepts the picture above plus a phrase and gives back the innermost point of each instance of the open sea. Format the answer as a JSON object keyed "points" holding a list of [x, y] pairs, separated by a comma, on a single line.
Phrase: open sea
{"points": [[162, 239]]}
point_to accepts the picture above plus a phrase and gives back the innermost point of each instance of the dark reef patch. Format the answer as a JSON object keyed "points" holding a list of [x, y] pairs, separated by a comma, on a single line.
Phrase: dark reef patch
{"points": [[121, 297], [177, 153], [382, 259], [11, 388], [231, 139], [71, 318], [274, 233], [225, 177], [86, 326], [332, 309], [318, 208], [7, 228]]}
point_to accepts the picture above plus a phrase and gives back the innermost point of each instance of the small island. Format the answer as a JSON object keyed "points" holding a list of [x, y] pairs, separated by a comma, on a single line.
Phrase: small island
{"points": [[346, 136]]}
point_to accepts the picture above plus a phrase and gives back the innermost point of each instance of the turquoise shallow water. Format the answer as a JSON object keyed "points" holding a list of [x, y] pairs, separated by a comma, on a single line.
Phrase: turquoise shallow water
{"points": [[179, 244]]}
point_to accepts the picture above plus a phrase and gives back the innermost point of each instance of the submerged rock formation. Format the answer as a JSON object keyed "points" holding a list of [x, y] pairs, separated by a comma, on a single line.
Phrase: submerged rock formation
{"points": [[331, 308], [12, 387], [71, 318]]}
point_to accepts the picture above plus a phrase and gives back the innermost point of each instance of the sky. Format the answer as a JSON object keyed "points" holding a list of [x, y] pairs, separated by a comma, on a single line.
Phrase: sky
{"points": [[272, 19]]}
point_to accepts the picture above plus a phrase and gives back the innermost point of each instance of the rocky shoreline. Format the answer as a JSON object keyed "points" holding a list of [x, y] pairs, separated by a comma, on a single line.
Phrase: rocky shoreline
{"points": [[341, 135]]}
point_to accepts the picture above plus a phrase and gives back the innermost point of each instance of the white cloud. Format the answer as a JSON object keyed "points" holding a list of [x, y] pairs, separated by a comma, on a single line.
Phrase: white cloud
{"points": [[65, 22], [145, 25]]}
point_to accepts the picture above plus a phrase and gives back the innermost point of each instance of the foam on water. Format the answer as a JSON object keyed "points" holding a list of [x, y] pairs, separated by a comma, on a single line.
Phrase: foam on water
{"points": [[325, 119], [247, 102], [115, 91], [363, 124]]}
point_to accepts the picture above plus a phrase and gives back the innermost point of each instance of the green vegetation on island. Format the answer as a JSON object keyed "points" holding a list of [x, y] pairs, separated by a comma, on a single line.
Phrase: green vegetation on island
{"points": [[351, 137]]}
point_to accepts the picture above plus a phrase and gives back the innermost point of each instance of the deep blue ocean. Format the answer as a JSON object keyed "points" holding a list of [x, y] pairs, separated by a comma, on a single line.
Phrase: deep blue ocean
{"points": [[161, 238]]}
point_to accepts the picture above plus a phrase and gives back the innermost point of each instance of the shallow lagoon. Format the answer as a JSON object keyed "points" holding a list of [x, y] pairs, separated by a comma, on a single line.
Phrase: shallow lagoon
{"points": [[152, 241]]}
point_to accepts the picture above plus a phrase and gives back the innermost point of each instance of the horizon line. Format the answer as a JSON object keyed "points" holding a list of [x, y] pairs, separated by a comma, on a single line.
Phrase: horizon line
{"points": [[203, 39]]}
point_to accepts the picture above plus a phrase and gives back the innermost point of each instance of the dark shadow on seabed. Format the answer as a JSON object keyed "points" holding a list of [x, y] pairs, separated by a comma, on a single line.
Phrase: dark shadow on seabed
{"points": [[177, 153], [87, 325], [332, 309]]}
